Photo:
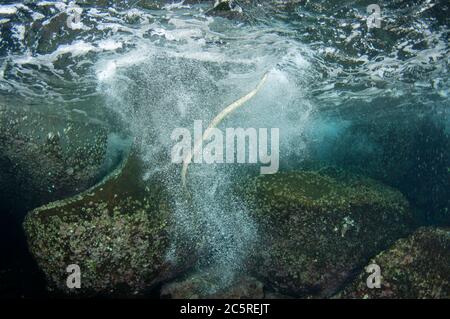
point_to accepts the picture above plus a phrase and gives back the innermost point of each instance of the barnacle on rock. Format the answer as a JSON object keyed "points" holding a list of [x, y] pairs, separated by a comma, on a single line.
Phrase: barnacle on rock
{"points": [[48, 160], [414, 267], [316, 230], [117, 232]]}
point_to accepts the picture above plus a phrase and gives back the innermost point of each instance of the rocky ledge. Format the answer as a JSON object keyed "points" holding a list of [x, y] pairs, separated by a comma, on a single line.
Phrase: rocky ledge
{"points": [[118, 233], [317, 228], [316, 232], [414, 267]]}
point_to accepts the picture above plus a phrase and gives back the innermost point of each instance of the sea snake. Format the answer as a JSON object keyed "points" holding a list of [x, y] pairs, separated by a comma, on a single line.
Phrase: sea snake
{"points": [[216, 121]]}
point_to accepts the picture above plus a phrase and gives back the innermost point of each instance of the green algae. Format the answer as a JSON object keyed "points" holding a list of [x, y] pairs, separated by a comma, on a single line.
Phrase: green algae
{"points": [[414, 267], [118, 232], [51, 156], [316, 230], [205, 285]]}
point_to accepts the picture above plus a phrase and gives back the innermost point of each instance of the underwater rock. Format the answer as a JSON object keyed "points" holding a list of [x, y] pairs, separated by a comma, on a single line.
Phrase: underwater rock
{"points": [[248, 10], [414, 267], [203, 285], [223, 5], [44, 157], [315, 230], [118, 233], [227, 9]]}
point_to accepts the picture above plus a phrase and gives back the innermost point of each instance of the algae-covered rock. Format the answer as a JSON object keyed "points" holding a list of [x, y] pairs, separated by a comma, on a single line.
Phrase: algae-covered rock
{"points": [[316, 230], [47, 157], [204, 285], [414, 267], [227, 9], [118, 233]]}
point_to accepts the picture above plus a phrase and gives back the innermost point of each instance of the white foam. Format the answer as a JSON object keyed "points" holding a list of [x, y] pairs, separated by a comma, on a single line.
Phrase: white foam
{"points": [[106, 70], [9, 9], [37, 16], [77, 48], [175, 5], [46, 3], [19, 32], [109, 45]]}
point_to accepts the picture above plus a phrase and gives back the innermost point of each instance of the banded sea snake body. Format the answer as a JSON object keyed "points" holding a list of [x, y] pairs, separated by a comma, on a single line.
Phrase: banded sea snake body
{"points": [[216, 121]]}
